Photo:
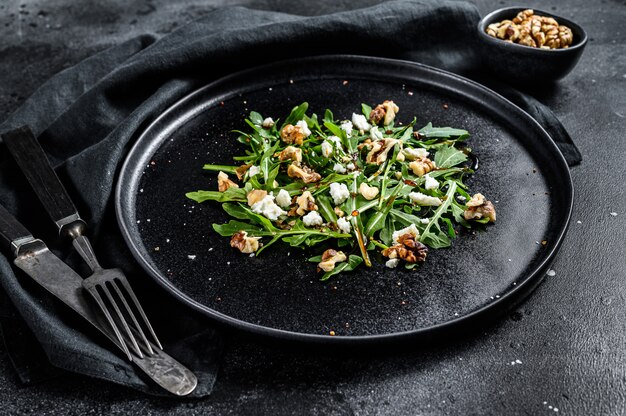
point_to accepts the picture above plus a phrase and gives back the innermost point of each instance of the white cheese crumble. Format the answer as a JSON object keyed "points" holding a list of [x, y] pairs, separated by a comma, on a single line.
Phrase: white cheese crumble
{"points": [[424, 220], [360, 122], [375, 134], [336, 140], [313, 218], [283, 198], [431, 183], [253, 170], [327, 149], [424, 200], [350, 166], [339, 168], [416, 153], [411, 229], [268, 208], [268, 123], [392, 263], [305, 128], [344, 225], [339, 192], [347, 127]]}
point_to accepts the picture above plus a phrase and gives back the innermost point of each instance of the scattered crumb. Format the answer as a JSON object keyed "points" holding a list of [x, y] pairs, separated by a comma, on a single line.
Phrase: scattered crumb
{"points": [[551, 273], [579, 222], [210, 248], [157, 248], [445, 106], [332, 333], [614, 214], [228, 263], [345, 82], [191, 256], [410, 92], [167, 240]]}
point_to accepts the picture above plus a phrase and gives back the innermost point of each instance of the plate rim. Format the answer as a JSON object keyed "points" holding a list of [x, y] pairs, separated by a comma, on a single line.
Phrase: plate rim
{"points": [[479, 316]]}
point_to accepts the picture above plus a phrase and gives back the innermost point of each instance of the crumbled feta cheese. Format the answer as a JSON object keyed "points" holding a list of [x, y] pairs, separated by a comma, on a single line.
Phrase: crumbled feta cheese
{"points": [[336, 140], [253, 170], [392, 263], [416, 153], [424, 220], [268, 208], [339, 192], [327, 149], [283, 198], [360, 122], [461, 198], [339, 168], [343, 225], [431, 183], [347, 127], [305, 128], [350, 166], [312, 219], [411, 229], [375, 134], [268, 123], [424, 200]]}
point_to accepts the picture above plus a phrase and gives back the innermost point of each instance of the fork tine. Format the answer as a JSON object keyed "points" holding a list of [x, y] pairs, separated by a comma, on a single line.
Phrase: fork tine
{"points": [[94, 293], [121, 318], [131, 294], [132, 316]]}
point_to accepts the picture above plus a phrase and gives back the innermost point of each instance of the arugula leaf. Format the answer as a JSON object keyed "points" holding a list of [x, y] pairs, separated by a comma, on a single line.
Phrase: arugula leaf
{"points": [[229, 195], [231, 227], [367, 110], [346, 266], [328, 117], [326, 209], [449, 156], [256, 118], [432, 235], [442, 132], [223, 168], [296, 114]]}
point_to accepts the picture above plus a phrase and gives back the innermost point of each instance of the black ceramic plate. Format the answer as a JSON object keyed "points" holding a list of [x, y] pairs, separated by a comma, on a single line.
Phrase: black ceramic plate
{"points": [[278, 293]]}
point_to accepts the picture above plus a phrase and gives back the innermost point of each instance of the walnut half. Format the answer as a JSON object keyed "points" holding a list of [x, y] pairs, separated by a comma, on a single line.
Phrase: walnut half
{"points": [[330, 258], [478, 207], [223, 183], [386, 112], [422, 166], [305, 173], [291, 134], [243, 243], [407, 249]]}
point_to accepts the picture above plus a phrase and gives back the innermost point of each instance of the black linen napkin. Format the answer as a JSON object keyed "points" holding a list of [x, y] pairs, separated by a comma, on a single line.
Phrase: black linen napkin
{"points": [[87, 118]]}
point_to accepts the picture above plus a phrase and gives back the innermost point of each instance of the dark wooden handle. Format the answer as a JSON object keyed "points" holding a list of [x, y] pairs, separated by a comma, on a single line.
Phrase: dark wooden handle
{"points": [[10, 230], [33, 161]]}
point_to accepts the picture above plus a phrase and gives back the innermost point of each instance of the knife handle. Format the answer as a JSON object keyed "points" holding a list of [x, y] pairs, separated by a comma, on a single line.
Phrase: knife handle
{"points": [[33, 162], [12, 233]]}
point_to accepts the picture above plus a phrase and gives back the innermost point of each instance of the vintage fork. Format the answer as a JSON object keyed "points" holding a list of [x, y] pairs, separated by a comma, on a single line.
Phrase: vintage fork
{"points": [[109, 287]]}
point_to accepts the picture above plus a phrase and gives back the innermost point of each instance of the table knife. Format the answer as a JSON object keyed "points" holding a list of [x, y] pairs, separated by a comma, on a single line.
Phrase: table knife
{"points": [[35, 259]]}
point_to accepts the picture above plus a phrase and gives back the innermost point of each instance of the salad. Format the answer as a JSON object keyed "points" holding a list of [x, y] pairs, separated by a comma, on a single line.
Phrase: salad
{"points": [[353, 188]]}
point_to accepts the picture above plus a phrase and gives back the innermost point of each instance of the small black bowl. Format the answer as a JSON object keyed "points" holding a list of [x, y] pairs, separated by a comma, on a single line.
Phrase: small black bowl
{"points": [[519, 64]]}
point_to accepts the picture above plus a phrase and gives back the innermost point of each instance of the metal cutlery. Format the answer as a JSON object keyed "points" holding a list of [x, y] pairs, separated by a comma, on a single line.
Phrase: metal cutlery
{"points": [[108, 287]]}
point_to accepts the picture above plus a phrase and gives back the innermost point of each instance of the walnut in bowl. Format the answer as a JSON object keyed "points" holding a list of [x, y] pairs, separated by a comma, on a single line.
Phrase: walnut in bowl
{"points": [[524, 46]]}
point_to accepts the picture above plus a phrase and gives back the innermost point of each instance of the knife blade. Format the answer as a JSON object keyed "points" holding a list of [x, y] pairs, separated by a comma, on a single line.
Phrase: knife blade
{"points": [[35, 259]]}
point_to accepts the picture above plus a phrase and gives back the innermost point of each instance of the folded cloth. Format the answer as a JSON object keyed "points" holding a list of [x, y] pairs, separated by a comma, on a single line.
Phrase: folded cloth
{"points": [[88, 116]]}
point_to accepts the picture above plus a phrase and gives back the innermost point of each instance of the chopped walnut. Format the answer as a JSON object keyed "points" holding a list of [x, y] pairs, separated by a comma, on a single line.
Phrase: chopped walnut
{"points": [[407, 249], [241, 171], [223, 183], [245, 244], [366, 143], [368, 192], [255, 196], [305, 203], [422, 166], [379, 150], [478, 207], [305, 173], [533, 30], [291, 134], [386, 112], [330, 258], [339, 212], [291, 153]]}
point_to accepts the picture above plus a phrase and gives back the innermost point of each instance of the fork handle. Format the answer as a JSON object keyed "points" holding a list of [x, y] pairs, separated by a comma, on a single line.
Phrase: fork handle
{"points": [[12, 233], [33, 162]]}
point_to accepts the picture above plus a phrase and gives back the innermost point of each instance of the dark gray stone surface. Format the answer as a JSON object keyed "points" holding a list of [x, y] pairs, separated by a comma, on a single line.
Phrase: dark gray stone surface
{"points": [[569, 336]]}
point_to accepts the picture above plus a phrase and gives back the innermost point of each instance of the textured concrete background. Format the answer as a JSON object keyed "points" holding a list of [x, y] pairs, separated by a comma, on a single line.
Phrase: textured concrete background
{"points": [[569, 337]]}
